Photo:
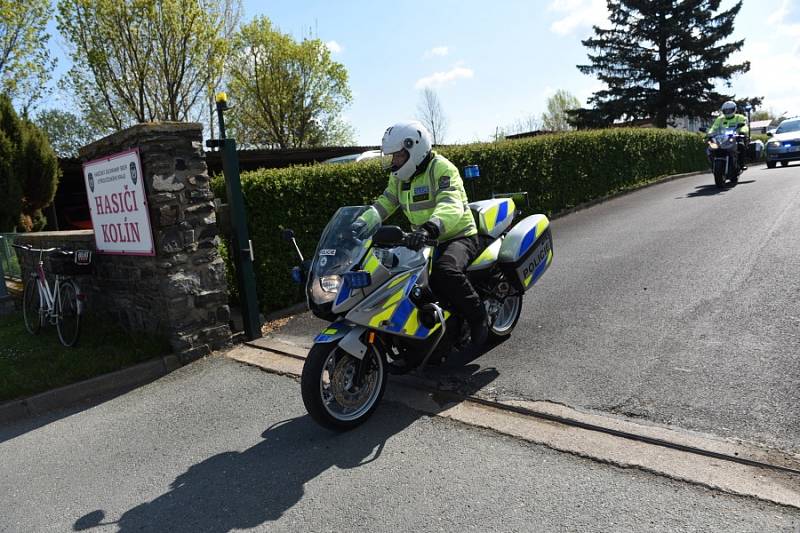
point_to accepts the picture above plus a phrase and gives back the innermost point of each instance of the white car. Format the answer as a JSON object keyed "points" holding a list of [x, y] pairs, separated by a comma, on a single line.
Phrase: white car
{"points": [[784, 143], [354, 158]]}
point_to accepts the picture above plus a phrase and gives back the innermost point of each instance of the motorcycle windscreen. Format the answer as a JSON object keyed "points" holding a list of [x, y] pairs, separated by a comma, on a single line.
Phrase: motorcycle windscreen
{"points": [[341, 247], [527, 252]]}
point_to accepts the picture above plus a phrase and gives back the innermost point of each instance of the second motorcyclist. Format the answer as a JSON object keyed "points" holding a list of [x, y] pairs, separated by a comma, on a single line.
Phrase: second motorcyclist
{"points": [[431, 194], [729, 118]]}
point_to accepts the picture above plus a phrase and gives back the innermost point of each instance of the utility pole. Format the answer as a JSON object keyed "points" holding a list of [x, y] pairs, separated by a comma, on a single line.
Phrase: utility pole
{"points": [[242, 246]]}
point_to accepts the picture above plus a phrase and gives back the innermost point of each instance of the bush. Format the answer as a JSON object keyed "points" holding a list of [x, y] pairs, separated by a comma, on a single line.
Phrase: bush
{"points": [[558, 171], [29, 172]]}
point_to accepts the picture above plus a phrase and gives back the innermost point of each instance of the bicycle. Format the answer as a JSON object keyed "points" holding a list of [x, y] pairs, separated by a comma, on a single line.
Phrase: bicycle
{"points": [[63, 305]]}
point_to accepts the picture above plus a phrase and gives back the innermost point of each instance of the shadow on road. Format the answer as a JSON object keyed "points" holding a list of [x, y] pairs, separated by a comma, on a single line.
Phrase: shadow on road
{"points": [[712, 190], [239, 490]]}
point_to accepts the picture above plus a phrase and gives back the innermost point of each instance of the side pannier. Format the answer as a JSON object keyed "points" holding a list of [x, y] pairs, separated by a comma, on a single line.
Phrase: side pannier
{"points": [[493, 217], [527, 251]]}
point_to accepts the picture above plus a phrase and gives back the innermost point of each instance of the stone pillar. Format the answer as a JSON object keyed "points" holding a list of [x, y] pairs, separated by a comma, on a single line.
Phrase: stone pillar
{"points": [[180, 292]]}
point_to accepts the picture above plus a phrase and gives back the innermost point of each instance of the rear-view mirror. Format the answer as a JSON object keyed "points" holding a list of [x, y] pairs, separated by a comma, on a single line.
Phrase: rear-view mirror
{"points": [[388, 235]]}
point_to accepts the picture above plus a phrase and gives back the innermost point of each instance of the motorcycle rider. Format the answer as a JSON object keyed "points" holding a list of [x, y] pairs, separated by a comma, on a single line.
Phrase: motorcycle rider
{"points": [[729, 118], [431, 194]]}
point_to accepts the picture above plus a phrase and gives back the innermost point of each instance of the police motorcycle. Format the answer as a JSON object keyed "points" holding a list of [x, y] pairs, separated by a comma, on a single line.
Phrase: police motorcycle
{"points": [[385, 318], [723, 154]]}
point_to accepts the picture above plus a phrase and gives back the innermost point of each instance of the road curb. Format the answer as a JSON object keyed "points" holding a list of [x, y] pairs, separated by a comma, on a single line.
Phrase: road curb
{"points": [[713, 462], [112, 383]]}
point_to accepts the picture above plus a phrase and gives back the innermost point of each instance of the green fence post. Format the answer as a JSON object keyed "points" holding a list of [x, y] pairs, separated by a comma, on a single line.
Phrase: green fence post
{"points": [[3, 290], [6, 303], [242, 246]]}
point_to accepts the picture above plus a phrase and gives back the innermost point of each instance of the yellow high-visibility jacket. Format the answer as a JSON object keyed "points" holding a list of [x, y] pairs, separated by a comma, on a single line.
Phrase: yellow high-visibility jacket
{"points": [[434, 195]]}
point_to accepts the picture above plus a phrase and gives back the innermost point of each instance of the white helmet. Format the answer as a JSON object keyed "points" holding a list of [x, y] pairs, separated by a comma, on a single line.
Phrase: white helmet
{"points": [[728, 108], [405, 145]]}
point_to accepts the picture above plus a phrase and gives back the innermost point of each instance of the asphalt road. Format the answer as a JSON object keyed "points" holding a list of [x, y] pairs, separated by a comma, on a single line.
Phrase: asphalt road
{"points": [[677, 304], [218, 446]]}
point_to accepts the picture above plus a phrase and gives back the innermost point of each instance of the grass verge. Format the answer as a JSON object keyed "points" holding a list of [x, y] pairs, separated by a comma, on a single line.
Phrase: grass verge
{"points": [[31, 364]]}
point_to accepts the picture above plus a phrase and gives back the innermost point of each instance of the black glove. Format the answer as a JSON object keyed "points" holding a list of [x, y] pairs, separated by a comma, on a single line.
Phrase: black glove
{"points": [[358, 228], [416, 239], [432, 229]]}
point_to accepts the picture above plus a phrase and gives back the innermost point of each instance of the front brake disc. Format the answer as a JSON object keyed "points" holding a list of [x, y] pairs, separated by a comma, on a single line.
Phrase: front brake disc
{"points": [[347, 394]]}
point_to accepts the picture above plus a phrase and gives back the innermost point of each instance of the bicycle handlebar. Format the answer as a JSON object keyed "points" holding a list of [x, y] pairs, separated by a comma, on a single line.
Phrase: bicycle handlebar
{"points": [[29, 248]]}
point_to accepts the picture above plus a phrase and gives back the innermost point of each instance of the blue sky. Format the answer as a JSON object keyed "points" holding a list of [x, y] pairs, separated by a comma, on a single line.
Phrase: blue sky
{"points": [[492, 63]]}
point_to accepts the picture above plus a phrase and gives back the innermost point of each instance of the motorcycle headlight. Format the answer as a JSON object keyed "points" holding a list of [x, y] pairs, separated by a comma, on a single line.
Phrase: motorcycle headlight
{"points": [[330, 283], [774, 144]]}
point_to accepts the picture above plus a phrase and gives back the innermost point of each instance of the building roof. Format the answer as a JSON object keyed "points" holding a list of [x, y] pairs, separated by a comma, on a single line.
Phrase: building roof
{"points": [[760, 123]]}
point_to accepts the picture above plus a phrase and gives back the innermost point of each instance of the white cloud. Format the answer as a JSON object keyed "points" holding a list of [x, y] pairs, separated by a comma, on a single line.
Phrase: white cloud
{"points": [[334, 47], [439, 79], [577, 14], [440, 51], [774, 62]]}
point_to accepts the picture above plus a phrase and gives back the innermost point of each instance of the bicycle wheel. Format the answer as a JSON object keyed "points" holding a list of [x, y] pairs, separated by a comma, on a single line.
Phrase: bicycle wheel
{"points": [[68, 321], [31, 306]]}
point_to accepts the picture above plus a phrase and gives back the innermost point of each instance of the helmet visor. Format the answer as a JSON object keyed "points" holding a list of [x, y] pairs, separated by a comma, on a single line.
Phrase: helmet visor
{"points": [[394, 161]]}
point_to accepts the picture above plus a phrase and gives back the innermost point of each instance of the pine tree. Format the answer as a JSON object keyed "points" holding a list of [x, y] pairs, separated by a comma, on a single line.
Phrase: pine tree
{"points": [[29, 172], [659, 59], [11, 136]]}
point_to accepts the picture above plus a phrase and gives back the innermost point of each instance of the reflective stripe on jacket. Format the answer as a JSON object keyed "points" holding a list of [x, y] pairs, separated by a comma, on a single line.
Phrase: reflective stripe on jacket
{"points": [[736, 121], [437, 195]]}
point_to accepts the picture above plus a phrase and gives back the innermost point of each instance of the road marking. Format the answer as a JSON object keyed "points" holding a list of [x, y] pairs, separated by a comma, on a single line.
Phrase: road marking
{"points": [[614, 440]]}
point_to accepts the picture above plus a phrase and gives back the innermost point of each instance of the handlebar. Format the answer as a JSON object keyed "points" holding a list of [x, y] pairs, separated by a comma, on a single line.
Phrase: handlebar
{"points": [[29, 248], [402, 242]]}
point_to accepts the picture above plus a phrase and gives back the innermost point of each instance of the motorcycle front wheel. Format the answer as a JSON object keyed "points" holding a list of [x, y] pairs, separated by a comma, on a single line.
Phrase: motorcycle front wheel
{"points": [[340, 391], [719, 174]]}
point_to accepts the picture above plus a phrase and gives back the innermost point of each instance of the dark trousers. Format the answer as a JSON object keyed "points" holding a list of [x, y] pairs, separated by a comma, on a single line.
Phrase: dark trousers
{"points": [[449, 276]]}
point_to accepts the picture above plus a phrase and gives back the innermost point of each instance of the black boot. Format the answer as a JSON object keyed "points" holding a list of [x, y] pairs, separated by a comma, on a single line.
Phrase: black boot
{"points": [[479, 329]]}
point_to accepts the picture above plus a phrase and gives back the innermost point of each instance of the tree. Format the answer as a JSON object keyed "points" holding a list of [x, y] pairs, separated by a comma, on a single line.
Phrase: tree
{"points": [[661, 59], [10, 185], [65, 130], [430, 113], [145, 60], [29, 171], [525, 124], [753, 101], [39, 173], [25, 62], [763, 115], [556, 118], [288, 94]]}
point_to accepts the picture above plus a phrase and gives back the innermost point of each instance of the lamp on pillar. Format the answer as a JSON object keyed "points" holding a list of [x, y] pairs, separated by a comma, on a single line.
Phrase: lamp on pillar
{"points": [[240, 236]]}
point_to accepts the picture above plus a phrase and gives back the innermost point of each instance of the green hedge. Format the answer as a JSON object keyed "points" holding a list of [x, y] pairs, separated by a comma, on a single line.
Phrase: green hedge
{"points": [[558, 171]]}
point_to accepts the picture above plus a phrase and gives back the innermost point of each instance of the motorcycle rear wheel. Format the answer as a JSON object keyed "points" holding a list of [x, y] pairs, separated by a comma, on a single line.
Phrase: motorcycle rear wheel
{"points": [[506, 319], [330, 392]]}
